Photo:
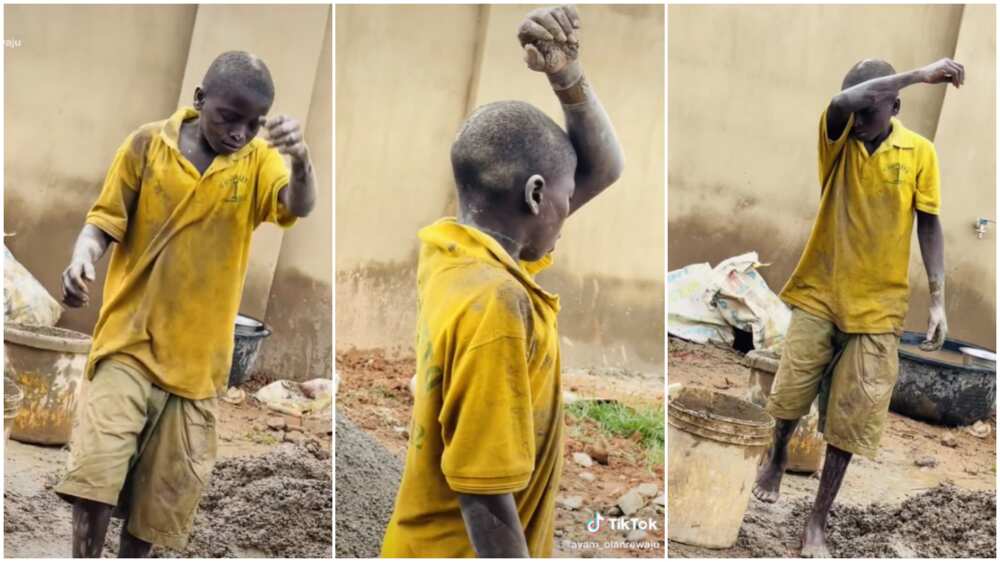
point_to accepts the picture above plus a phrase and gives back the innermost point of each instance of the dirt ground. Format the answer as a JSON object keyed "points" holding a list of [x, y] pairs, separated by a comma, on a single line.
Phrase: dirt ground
{"points": [[889, 507], [270, 494], [373, 396]]}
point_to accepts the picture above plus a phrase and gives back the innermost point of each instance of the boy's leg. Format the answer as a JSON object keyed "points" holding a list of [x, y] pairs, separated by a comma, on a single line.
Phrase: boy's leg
{"points": [[90, 525], [104, 440], [173, 467], [808, 349], [860, 393], [132, 547]]}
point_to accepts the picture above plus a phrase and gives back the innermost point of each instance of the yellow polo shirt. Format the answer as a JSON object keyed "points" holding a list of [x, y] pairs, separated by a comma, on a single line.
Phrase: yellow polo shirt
{"points": [[176, 274], [855, 268], [487, 417]]}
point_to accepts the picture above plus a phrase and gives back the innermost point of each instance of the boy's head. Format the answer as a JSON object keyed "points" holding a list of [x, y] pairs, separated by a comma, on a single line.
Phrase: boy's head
{"points": [[516, 165], [873, 122], [234, 95]]}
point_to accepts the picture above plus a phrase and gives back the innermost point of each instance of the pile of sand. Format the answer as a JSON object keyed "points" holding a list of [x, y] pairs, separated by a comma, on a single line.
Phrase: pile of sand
{"points": [[367, 480]]}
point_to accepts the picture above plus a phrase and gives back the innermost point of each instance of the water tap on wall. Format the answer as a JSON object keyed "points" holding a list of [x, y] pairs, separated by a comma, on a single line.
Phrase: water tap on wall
{"points": [[981, 225]]}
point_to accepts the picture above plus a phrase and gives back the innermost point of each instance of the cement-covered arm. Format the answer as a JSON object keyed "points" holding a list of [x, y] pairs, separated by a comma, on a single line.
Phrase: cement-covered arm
{"points": [[91, 245], [931, 239], [877, 90], [493, 525], [549, 39], [285, 134]]}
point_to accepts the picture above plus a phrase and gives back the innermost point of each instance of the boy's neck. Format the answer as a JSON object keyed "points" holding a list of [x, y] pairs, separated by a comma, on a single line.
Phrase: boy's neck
{"points": [[495, 231]]}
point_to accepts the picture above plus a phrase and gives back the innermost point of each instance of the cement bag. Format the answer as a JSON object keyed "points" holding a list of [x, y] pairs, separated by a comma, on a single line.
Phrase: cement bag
{"points": [[690, 313], [25, 299], [744, 300]]}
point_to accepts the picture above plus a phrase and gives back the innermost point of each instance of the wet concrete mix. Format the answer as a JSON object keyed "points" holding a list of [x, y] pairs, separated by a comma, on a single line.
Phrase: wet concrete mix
{"points": [[943, 522], [277, 504]]}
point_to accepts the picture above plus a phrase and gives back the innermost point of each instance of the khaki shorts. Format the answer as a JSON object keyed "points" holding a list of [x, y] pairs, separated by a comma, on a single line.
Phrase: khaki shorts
{"points": [[853, 375], [143, 450]]}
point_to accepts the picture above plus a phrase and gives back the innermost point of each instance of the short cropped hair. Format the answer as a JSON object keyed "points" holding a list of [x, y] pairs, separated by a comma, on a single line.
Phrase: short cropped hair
{"points": [[504, 143], [238, 69], [866, 70]]}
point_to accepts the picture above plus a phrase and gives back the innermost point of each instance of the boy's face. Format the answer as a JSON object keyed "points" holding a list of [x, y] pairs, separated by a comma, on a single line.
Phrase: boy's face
{"points": [[545, 229], [230, 118], [873, 122]]}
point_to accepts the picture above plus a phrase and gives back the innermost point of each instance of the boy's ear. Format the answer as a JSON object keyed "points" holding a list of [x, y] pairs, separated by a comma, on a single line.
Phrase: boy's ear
{"points": [[533, 193], [896, 105], [199, 98]]}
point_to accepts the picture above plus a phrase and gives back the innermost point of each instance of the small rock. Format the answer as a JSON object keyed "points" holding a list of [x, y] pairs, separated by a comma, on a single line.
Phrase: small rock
{"points": [[614, 511], [970, 471], [570, 502], [631, 502], [405, 433], [648, 489], [296, 437], [587, 476], [658, 500], [569, 397], [948, 440], [558, 532], [276, 422], [599, 454], [636, 535], [412, 385], [979, 429], [583, 459], [925, 461]]}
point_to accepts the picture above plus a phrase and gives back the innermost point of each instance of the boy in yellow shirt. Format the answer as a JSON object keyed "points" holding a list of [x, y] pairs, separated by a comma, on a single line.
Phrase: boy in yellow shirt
{"points": [[180, 201], [485, 453], [850, 289]]}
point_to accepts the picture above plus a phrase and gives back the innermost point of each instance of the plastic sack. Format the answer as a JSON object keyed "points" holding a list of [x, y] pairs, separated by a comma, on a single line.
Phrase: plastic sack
{"points": [[25, 299]]}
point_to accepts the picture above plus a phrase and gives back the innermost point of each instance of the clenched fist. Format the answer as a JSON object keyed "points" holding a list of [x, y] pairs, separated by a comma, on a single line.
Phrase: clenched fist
{"points": [[549, 38]]}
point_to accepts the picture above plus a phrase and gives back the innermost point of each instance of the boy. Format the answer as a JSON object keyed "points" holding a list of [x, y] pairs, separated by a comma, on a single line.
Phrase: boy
{"points": [[181, 201], [849, 291], [485, 453]]}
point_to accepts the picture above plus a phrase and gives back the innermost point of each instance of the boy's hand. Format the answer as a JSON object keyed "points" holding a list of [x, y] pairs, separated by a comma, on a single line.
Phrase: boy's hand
{"points": [[937, 329], [285, 134], [944, 70], [75, 280], [548, 36]]}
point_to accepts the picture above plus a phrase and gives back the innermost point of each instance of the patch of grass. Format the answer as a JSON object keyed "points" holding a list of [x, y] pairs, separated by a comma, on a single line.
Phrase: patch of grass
{"points": [[615, 418]]}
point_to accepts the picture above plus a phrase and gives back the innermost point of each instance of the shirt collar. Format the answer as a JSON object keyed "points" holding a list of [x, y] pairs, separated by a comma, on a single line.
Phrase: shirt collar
{"points": [[900, 137]]}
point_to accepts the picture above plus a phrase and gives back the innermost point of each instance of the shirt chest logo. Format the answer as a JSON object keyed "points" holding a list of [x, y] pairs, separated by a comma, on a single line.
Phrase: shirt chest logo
{"points": [[234, 188], [895, 173]]}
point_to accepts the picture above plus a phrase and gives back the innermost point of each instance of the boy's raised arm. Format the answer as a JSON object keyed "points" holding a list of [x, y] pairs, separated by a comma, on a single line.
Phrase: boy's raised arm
{"points": [[549, 39], [872, 92]]}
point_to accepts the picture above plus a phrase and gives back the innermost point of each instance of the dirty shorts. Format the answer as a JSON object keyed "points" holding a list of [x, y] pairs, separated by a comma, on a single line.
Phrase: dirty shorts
{"points": [[142, 449], [853, 374]]}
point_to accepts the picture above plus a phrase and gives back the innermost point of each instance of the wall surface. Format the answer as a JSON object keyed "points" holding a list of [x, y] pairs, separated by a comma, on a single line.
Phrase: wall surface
{"points": [[74, 92], [747, 87], [394, 175]]}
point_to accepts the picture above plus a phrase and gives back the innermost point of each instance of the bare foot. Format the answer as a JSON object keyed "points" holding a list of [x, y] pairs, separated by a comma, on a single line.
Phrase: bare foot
{"points": [[814, 542], [768, 485]]}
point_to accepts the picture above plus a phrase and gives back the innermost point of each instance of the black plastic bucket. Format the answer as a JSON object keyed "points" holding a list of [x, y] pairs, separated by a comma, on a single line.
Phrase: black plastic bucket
{"points": [[248, 336], [940, 392]]}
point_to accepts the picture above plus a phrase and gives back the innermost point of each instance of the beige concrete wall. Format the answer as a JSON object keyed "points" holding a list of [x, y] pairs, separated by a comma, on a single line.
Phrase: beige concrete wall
{"points": [[300, 305], [965, 141], [85, 76], [394, 176], [747, 87]]}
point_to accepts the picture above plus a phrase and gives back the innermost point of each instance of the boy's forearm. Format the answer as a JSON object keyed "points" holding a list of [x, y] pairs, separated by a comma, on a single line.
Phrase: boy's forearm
{"points": [[599, 155], [300, 195], [931, 239], [875, 91], [493, 525], [91, 244]]}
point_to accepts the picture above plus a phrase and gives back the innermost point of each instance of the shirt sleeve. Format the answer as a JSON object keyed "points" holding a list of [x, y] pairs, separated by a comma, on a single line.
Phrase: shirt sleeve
{"points": [[831, 150], [486, 414], [272, 176], [109, 212], [928, 193]]}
